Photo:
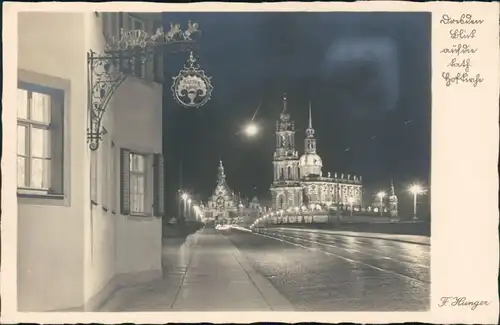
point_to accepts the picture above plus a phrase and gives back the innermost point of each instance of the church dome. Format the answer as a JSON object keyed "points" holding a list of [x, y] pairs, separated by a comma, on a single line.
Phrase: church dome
{"points": [[310, 160]]}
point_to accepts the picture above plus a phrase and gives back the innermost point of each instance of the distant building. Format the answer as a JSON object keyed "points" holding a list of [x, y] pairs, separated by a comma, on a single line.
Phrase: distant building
{"points": [[223, 204], [299, 182]]}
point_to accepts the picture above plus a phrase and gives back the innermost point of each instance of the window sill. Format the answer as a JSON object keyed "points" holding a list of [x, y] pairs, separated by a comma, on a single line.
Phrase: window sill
{"points": [[42, 195], [139, 215]]}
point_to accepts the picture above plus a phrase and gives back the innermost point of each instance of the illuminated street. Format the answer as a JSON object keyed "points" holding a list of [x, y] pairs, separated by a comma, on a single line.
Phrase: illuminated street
{"points": [[334, 272], [278, 269]]}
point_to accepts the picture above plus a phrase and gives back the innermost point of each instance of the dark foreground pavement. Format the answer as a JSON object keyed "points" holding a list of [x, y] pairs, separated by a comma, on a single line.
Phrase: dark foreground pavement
{"points": [[321, 271], [284, 270]]}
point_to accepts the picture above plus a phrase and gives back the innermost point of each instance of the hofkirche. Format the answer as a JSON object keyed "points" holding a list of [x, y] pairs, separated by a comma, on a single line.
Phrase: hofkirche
{"points": [[298, 181]]}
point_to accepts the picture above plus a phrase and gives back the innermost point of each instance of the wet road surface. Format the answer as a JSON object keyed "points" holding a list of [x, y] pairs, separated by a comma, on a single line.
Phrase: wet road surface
{"points": [[321, 271]]}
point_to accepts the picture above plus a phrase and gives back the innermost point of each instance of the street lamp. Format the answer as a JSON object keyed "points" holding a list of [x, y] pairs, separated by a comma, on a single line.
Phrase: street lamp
{"points": [[415, 189], [351, 202], [381, 196], [251, 129]]}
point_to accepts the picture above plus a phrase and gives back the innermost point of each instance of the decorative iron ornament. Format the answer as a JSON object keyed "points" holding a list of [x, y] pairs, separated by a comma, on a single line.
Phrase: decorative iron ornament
{"points": [[107, 71], [104, 79], [139, 39], [191, 87]]}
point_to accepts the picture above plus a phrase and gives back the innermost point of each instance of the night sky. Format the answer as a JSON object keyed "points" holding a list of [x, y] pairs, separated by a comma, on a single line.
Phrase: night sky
{"points": [[367, 76]]}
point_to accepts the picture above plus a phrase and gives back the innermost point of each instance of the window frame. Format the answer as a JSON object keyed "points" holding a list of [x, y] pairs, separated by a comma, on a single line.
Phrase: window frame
{"points": [[57, 126], [145, 175]]}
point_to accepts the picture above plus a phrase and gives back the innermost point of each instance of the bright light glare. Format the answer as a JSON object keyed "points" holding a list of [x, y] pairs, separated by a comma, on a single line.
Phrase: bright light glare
{"points": [[251, 129], [416, 189], [189, 201], [184, 196], [381, 194], [350, 200]]}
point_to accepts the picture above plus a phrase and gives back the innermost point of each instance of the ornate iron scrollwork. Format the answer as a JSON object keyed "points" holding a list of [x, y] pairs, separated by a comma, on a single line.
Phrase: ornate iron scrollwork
{"points": [[107, 70], [191, 87]]}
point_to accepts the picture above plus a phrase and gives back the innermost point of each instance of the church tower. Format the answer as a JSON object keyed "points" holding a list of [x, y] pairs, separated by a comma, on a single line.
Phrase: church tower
{"points": [[310, 162], [393, 202], [286, 155], [286, 188]]}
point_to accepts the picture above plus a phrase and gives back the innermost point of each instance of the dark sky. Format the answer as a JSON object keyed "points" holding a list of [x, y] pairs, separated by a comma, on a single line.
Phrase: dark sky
{"points": [[366, 74]]}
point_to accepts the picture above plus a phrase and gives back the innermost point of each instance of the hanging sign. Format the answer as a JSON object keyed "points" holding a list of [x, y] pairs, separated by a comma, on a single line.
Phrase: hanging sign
{"points": [[191, 87]]}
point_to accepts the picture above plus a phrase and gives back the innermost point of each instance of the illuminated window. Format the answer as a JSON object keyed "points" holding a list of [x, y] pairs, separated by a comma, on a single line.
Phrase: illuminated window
{"points": [[39, 140]]}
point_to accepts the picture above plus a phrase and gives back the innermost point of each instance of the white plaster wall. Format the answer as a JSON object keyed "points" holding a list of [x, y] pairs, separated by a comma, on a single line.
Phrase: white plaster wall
{"points": [[50, 236], [137, 108], [100, 238], [69, 253]]}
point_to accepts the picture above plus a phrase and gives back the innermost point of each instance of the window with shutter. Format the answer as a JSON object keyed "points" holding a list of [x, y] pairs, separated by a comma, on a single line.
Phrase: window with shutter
{"points": [[158, 203], [138, 179], [125, 181]]}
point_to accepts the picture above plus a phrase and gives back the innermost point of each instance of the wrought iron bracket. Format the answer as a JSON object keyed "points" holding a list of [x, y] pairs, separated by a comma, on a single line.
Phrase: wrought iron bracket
{"points": [[106, 70], [104, 79]]}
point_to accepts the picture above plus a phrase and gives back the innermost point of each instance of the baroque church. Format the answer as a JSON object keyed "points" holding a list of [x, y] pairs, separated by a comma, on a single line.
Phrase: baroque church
{"points": [[299, 181]]}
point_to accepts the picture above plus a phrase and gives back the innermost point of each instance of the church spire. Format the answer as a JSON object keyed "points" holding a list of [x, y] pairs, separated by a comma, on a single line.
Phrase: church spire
{"points": [[284, 104], [393, 193], [310, 141], [222, 175], [310, 117]]}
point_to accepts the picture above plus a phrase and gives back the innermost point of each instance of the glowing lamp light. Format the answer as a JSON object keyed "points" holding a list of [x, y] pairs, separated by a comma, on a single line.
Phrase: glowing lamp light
{"points": [[251, 129], [381, 194], [416, 189], [189, 201], [184, 196]]}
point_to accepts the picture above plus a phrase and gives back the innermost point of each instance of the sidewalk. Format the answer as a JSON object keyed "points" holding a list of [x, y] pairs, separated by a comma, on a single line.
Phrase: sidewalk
{"points": [[205, 273]]}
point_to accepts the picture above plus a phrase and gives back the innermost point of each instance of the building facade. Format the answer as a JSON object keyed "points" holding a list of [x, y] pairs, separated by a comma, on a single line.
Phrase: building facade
{"points": [[223, 204], [88, 221], [299, 182]]}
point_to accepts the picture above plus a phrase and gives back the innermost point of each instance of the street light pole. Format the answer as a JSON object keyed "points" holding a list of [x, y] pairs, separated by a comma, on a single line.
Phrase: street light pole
{"points": [[415, 189], [415, 206], [381, 195], [351, 202]]}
